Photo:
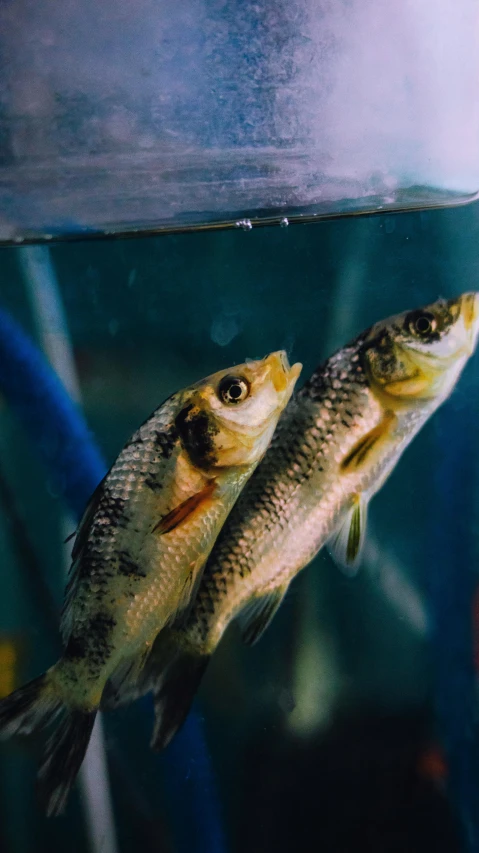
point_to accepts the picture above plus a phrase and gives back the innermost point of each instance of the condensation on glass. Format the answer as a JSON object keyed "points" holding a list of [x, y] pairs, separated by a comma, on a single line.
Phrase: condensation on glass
{"points": [[146, 114]]}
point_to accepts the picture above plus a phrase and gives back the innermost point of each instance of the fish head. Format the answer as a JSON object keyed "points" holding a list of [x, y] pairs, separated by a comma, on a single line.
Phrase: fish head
{"points": [[231, 416], [418, 355]]}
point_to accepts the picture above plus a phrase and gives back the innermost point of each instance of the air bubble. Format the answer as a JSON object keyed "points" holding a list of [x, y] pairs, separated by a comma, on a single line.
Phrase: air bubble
{"points": [[224, 329], [284, 222], [245, 224]]}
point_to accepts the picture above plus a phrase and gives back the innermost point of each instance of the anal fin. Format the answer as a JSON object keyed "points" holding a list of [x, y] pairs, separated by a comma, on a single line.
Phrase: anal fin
{"points": [[347, 543], [258, 614], [182, 512], [121, 685], [174, 694]]}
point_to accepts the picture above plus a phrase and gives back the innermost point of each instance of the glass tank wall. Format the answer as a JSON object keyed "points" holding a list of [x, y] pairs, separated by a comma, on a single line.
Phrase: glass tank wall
{"points": [[146, 114], [351, 725]]}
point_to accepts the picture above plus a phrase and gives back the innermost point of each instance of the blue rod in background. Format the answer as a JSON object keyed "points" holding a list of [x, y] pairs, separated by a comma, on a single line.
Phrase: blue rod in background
{"points": [[452, 581], [59, 434], [54, 424]]}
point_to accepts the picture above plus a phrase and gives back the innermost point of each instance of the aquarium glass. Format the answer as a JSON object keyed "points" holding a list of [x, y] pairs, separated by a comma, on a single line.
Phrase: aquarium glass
{"points": [[128, 115]]}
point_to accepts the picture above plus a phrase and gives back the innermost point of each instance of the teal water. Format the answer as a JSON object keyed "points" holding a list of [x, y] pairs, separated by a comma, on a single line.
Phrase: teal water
{"points": [[316, 734]]}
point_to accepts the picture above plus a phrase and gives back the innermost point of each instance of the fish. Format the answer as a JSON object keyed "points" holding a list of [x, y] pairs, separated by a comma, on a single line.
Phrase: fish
{"points": [[140, 548], [336, 443]]}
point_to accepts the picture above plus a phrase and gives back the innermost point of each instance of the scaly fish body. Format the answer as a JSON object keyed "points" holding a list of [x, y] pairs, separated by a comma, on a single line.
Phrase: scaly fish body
{"points": [[335, 445], [295, 503], [141, 546], [130, 579]]}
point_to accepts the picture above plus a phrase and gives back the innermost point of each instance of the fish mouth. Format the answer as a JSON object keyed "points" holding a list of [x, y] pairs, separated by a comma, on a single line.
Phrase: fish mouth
{"points": [[282, 375], [470, 316]]}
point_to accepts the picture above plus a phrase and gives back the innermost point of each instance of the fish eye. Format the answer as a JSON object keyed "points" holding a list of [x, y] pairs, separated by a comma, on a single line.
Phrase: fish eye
{"points": [[422, 324], [233, 390]]}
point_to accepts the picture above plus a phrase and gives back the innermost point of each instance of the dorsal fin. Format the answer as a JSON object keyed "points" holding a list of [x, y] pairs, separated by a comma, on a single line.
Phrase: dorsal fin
{"points": [[258, 613], [81, 539], [86, 519], [347, 543]]}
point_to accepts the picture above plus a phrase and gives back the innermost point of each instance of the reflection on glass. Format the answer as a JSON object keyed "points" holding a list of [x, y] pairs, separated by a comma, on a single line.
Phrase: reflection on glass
{"points": [[150, 115]]}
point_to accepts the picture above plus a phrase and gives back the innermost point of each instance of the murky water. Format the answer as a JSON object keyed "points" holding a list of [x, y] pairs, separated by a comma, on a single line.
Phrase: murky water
{"points": [[351, 725]]}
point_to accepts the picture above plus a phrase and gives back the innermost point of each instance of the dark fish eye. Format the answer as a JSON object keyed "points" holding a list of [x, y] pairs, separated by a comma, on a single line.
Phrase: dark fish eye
{"points": [[422, 324], [233, 390]]}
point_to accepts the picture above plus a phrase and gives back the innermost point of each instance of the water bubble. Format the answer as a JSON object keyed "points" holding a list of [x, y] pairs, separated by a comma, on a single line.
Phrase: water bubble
{"points": [[54, 489], [284, 222], [224, 329], [245, 224]]}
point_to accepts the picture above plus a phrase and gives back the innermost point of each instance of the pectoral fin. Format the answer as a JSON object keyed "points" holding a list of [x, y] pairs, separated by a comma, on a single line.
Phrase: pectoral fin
{"points": [[346, 545], [258, 614], [366, 446], [182, 512]]}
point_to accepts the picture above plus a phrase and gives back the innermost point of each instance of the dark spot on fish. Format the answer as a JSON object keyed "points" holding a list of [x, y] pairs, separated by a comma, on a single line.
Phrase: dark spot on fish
{"points": [[101, 624], [113, 509], [196, 431], [98, 633], [209, 605], [379, 357], [166, 441], [128, 567], [76, 648], [302, 454], [152, 483]]}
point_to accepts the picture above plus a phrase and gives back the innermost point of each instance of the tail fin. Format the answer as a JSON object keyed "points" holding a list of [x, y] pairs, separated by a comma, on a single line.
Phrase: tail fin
{"points": [[34, 707], [29, 708], [175, 694], [64, 753]]}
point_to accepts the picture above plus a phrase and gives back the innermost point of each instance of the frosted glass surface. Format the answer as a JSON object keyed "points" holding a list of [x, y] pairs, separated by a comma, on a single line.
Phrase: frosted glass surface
{"points": [[145, 114]]}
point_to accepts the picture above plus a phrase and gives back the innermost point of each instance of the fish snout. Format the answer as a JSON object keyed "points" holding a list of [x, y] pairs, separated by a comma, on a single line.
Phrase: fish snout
{"points": [[282, 375], [470, 314]]}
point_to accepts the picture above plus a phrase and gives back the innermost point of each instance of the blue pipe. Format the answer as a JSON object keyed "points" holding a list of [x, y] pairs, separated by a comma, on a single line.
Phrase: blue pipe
{"points": [[58, 432], [53, 422], [187, 763]]}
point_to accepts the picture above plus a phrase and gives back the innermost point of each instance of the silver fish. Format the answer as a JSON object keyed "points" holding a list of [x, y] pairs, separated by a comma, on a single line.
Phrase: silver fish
{"points": [[335, 445], [140, 549]]}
